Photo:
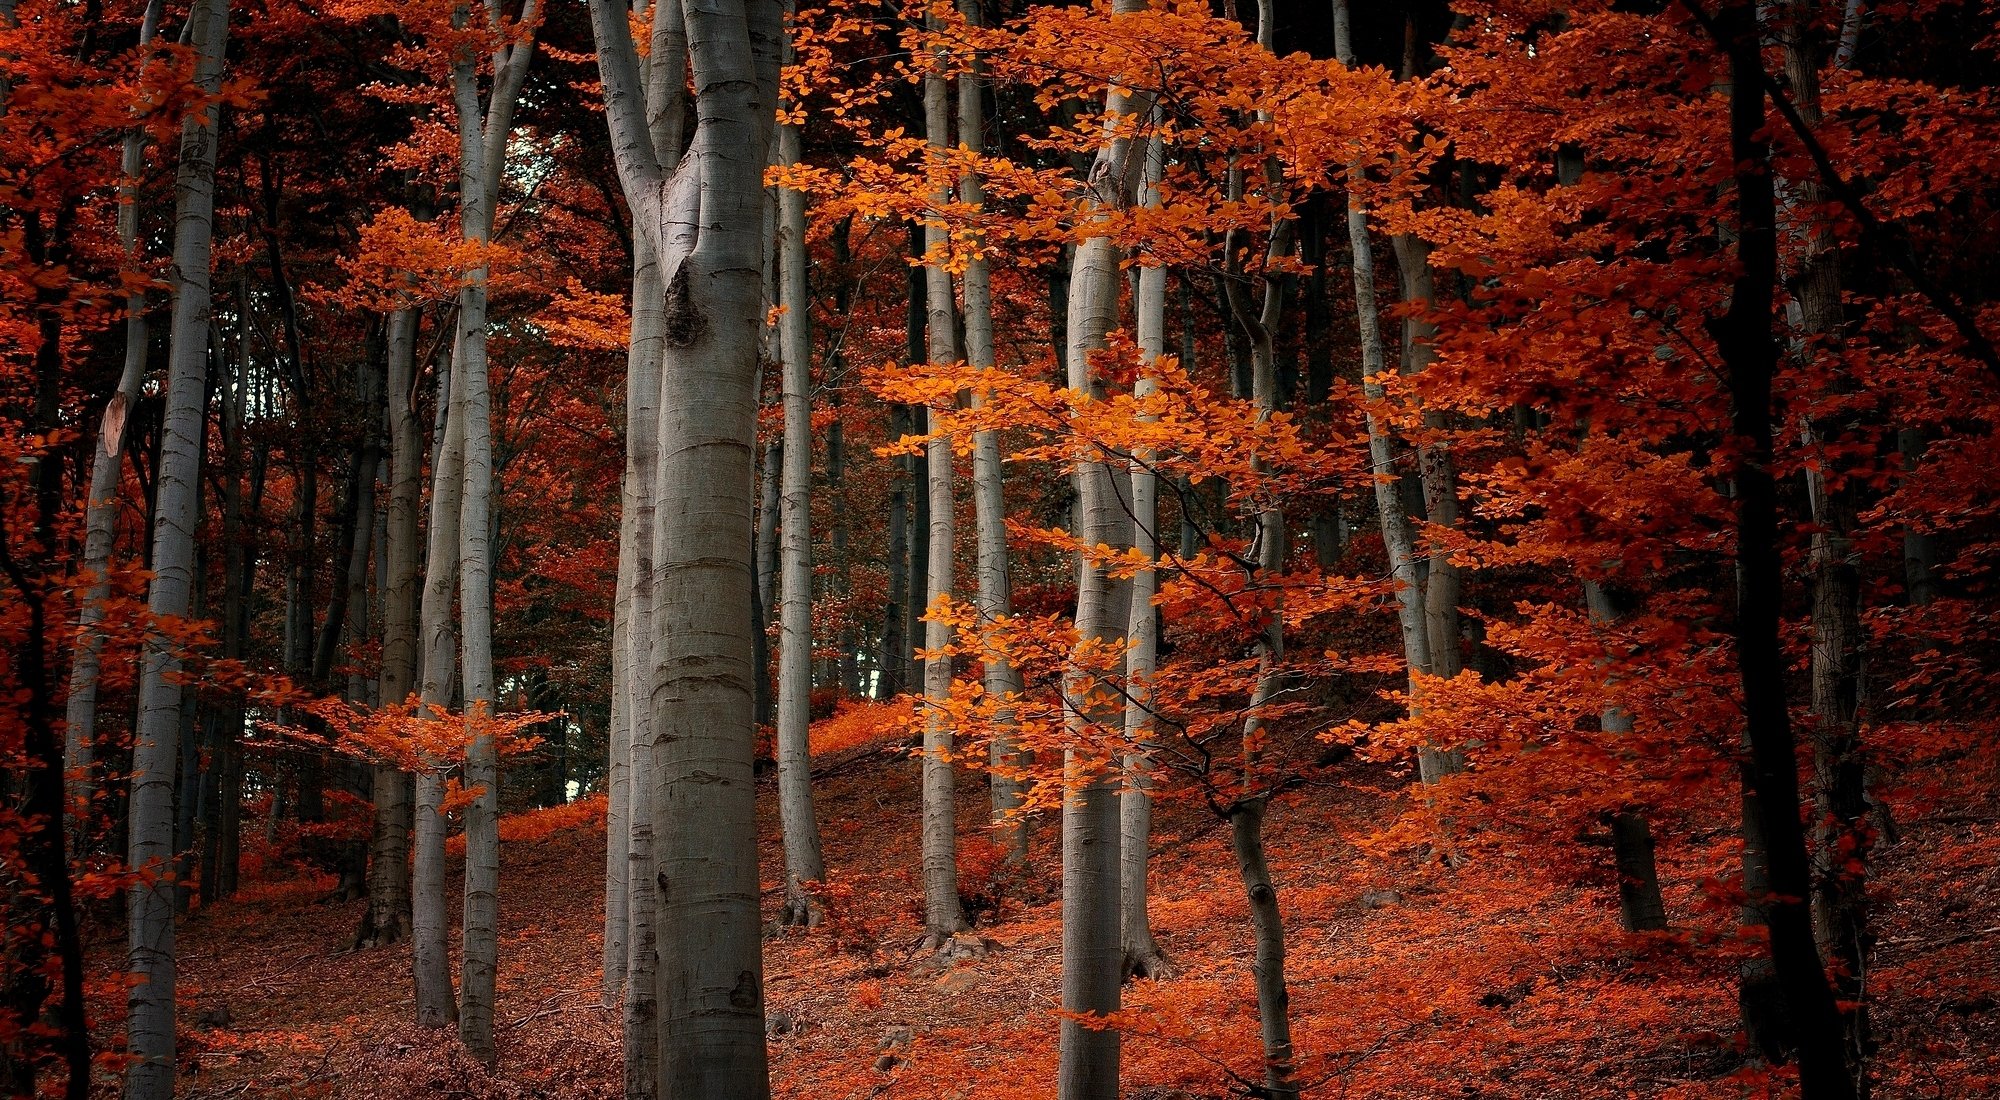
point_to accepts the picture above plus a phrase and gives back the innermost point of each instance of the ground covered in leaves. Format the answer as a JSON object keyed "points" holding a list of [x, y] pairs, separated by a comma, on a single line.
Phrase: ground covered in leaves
{"points": [[1409, 977]]}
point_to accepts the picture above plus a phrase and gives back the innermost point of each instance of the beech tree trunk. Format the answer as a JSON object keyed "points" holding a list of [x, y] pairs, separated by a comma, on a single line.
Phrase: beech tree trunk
{"points": [[633, 681], [1842, 838], [804, 860], [483, 130], [944, 916], [633, 878], [150, 956], [892, 656], [101, 508], [430, 952], [1640, 906], [711, 1001], [388, 917], [1397, 536], [1092, 955], [1142, 955], [989, 498]]}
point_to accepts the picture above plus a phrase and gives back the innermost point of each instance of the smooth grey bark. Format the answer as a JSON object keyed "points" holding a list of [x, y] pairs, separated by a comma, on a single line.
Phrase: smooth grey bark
{"points": [[430, 952], [483, 132], [101, 508], [150, 958], [1088, 1058], [618, 766], [769, 489], [805, 861], [633, 680], [1436, 473], [1143, 957], [711, 996], [944, 915], [631, 879], [388, 917], [1258, 322], [1394, 519], [1006, 789]]}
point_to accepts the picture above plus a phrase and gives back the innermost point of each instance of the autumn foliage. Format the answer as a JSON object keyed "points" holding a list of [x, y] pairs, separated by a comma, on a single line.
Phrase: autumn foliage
{"points": [[1453, 554]]}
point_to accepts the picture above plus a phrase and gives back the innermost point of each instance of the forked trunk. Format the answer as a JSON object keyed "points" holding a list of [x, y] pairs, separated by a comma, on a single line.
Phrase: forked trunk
{"points": [[101, 508], [1092, 957]]}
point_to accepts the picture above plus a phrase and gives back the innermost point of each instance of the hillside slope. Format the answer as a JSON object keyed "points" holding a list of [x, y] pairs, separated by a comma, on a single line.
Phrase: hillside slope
{"points": [[1409, 978]]}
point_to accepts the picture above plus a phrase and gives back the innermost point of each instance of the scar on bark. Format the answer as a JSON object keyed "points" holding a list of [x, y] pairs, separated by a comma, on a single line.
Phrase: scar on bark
{"points": [[685, 323]]}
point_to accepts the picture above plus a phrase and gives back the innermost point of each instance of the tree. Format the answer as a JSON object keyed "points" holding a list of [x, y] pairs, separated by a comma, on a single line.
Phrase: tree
{"points": [[1743, 337], [1092, 954], [711, 1003], [804, 861], [484, 130], [944, 915], [156, 740]]}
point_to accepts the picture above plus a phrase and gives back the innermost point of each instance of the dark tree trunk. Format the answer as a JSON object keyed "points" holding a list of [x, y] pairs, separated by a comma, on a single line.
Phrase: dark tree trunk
{"points": [[1744, 338]]}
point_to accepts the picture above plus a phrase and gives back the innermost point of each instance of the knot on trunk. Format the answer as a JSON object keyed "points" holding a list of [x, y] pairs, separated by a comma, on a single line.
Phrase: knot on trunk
{"points": [[684, 324]]}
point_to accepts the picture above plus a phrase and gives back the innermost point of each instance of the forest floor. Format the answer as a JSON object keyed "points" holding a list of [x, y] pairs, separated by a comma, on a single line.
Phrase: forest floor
{"points": [[1408, 978]]}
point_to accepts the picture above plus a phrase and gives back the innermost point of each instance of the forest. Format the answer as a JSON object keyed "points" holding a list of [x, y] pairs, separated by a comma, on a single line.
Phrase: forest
{"points": [[1163, 549]]}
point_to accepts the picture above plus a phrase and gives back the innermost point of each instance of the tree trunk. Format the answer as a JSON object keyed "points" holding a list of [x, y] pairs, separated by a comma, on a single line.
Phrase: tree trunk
{"points": [[1006, 787], [388, 917], [150, 958], [1640, 906], [712, 1006], [944, 916], [101, 509], [1142, 955], [483, 131], [437, 1005], [1841, 834], [1092, 956], [1435, 471], [633, 681], [891, 656], [804, 861], [1744, 338], [1397, 537]]}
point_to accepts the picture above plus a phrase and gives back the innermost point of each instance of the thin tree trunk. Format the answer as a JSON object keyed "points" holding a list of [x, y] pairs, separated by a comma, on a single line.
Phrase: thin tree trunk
{"points": [[151, 958], [1640, 906], [437, 1005], [804, 861], [101, 510], [1744, 338], [1435, 471], [40, 906], [1397, 537], [633, 681], [996, 591], [944, 916], [1841, 835], [483, 131], [1142, 955], [388, 918], [894, 649]]}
